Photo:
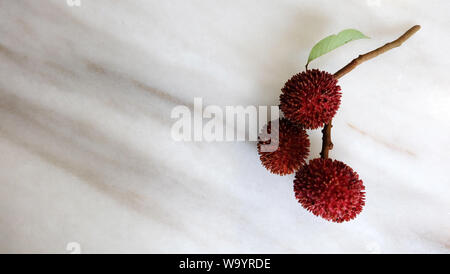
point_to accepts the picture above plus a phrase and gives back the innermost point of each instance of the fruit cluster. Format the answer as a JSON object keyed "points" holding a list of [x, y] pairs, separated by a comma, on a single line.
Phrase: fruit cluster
{"points": [[328, 188]]}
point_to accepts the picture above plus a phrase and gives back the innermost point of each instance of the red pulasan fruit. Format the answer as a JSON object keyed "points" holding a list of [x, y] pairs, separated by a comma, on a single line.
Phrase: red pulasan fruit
{"points": [[310, 98], [330, 189], [293, 147]]}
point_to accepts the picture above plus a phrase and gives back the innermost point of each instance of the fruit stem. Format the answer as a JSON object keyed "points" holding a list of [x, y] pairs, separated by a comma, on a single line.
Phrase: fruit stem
{"points": [[327, 145]]}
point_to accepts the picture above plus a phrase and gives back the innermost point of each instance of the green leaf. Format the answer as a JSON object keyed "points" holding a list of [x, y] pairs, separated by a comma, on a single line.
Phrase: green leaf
{"points": [[334, 41]]}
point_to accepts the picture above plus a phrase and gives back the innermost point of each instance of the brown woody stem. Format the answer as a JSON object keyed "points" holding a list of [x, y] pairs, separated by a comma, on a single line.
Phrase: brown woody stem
{"points": [[327, 145]]}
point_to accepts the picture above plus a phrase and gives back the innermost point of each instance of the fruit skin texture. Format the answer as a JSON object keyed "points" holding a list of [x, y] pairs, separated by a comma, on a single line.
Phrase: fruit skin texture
{"points": [[330, 189], [310, 98], [292, 151]]}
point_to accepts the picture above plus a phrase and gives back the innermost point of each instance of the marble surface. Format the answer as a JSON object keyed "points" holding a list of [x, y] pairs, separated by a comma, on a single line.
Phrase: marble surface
{"points": [[86, 154]]}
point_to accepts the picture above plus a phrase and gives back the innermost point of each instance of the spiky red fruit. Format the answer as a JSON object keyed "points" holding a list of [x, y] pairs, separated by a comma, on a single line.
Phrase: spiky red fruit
{"points": [[330, 189], [290, 146], [310, 98]]}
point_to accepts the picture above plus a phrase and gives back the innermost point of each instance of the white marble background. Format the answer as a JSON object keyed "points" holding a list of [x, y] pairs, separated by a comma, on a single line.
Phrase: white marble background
{"points": [[85, 149]]}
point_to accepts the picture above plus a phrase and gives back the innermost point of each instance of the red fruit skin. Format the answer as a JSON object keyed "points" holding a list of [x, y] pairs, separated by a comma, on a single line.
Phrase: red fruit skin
{"points": [[330, 189], [292, 151], [310, 98]]}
